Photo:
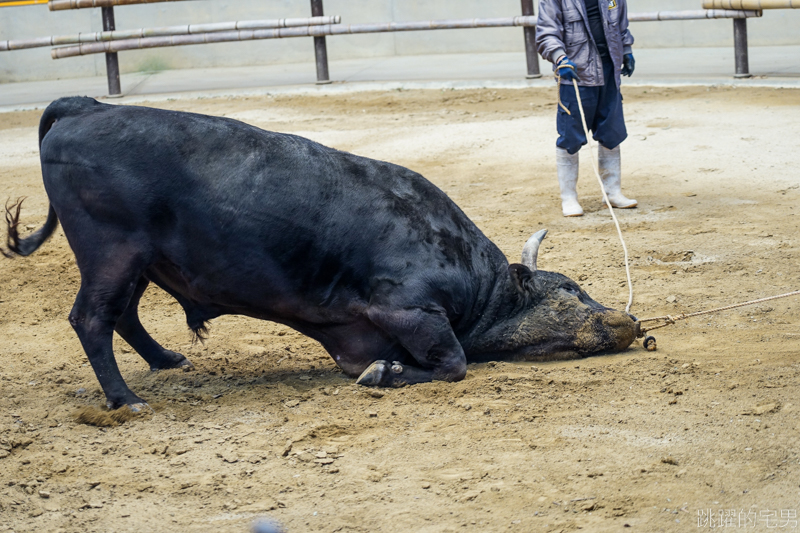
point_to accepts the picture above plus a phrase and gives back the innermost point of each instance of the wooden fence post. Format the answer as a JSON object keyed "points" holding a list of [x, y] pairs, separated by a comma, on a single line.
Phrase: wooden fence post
{"points": [[112, 61], [320, 48]]}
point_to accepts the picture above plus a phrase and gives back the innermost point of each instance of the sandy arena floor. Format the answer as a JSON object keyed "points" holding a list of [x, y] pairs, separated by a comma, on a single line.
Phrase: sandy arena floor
{"points": [[266, 424]]}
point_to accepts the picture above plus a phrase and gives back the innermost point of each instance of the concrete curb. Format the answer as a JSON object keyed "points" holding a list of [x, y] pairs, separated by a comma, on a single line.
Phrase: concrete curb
{"points": [[383, 86]]}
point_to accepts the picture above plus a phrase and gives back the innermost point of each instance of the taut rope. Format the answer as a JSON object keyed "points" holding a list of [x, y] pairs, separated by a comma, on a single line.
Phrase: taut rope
{"points": [[669, 319]]}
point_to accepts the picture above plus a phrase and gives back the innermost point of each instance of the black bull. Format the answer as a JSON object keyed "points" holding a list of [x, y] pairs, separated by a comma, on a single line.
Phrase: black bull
{"points": [[366, 257]]}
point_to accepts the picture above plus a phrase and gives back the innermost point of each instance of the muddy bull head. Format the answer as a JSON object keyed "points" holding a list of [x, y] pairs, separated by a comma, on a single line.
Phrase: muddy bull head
{"points": [[553, 318]]}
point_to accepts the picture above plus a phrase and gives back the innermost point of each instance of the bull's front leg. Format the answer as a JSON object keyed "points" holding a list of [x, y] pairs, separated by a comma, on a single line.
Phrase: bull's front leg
{"points": [[427, 335]]}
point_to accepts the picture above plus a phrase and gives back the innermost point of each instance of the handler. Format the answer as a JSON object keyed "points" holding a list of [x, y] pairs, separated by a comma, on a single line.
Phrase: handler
{"points": [[589, 41]]}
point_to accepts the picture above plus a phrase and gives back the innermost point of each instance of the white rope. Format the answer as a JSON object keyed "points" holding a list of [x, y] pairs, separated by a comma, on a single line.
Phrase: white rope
{"points": [[669, 319], [595, 166]]}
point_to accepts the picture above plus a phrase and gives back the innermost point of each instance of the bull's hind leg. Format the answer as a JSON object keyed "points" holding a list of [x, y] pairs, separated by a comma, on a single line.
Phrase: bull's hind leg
{"points": [[109, 277], [130, 328], [427, 335]]}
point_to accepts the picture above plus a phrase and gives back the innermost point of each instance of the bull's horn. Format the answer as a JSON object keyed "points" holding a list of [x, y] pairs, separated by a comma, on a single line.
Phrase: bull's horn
{"points": [[531, 249]]}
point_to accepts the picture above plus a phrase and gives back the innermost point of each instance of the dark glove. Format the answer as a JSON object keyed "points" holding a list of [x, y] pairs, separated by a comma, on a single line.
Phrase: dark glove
{"points": [[628, 64], [566, 70]]}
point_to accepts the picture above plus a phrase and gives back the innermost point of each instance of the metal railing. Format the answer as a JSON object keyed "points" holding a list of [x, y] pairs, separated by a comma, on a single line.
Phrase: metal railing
{"points": [[110, 41]]}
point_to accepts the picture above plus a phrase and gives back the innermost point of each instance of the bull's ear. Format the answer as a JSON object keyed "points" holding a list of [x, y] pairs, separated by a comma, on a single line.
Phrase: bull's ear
{"points": [[521, 276]]}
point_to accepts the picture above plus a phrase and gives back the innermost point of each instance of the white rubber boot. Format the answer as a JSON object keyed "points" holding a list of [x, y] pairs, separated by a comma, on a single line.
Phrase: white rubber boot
{"points": [[610, 172], [567, 166]]}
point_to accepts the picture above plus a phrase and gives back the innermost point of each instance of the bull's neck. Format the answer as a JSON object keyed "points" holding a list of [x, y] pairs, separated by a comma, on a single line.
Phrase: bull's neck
{"points": [[503, 302]]}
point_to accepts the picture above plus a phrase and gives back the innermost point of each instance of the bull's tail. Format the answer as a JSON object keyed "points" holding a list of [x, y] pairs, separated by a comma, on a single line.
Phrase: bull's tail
{"points": [[30, 244]]}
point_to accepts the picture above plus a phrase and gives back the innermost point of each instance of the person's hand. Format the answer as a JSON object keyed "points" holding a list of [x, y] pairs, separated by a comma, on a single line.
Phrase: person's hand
{"points": [[566, 70], [628, 64]]}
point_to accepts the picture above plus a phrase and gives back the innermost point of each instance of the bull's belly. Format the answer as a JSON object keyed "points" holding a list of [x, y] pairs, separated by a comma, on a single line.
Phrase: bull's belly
{"points": [[345, 331], [229, 289]]}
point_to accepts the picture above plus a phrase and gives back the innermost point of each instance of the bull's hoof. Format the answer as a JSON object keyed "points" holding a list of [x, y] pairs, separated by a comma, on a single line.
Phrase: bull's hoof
{"points": [[172, 360], [375, 375], [136, 406], [143, 407]]}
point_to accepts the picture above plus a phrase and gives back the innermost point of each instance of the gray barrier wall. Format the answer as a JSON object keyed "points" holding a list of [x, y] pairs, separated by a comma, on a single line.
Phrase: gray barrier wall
{"points": [[779, 27]]}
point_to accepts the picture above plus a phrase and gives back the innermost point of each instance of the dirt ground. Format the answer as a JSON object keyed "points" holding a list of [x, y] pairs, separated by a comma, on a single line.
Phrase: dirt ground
{"points": [[267, 426]]}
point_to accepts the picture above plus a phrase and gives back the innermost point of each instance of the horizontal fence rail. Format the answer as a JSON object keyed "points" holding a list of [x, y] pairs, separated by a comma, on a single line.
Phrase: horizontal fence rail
{"points": [[448, 24], [751, 4], [352, 29], [281, 33], [59, 5], [166, 30], [694, 15]]}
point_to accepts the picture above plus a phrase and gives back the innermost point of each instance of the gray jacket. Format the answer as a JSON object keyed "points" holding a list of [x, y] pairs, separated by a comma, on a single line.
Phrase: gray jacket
{"points": [[563, 29]]}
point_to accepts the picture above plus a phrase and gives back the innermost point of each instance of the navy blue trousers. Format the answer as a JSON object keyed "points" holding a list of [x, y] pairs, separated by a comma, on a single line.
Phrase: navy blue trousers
{"points": [[603, 108]]}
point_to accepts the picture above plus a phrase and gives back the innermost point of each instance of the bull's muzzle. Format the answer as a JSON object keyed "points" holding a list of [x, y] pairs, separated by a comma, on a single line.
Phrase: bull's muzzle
{"points": [[609, 330]]}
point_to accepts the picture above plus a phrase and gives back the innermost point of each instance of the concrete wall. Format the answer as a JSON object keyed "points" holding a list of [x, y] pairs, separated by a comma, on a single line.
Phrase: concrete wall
{"points": [[775, 28]]}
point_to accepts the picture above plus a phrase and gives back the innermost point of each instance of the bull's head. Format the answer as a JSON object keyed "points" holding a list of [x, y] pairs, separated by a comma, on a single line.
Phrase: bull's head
{"points": [[552, 317]]}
